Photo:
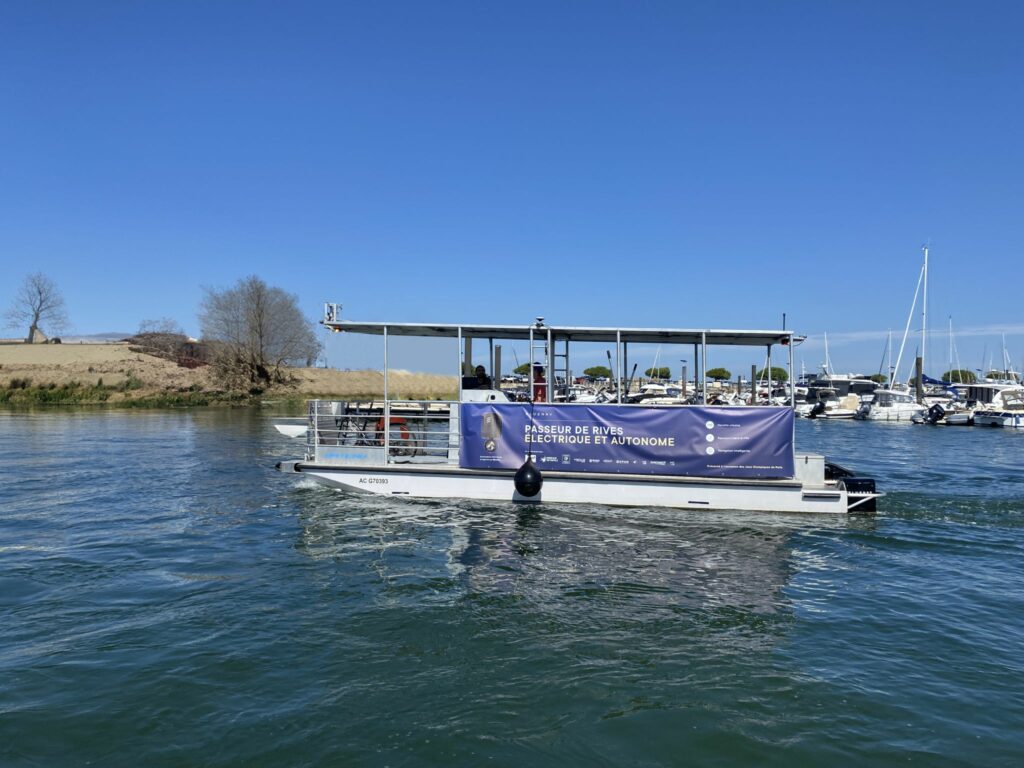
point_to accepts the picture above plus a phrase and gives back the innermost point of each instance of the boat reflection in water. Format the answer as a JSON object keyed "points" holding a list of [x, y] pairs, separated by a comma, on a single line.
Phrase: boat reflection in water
{"points": [[586, 563]]}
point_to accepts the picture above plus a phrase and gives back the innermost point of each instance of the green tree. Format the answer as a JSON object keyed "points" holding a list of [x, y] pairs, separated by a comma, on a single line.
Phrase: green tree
{"points": [[778, 374], [522, 370], [719, 374], [878, 378], [1002, 375], [959, 376], [658, 373], [598, 372]]}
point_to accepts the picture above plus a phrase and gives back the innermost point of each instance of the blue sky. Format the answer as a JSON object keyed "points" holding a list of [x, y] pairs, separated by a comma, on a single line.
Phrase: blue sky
{"points": [[638, 163]]}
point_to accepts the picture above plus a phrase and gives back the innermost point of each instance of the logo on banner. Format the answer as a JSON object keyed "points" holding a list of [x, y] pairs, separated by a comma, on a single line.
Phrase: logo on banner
{"points": [[490, 430]]}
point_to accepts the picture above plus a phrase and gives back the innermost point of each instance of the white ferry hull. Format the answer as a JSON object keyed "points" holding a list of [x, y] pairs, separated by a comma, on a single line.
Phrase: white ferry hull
{"points": [[560, 487]]}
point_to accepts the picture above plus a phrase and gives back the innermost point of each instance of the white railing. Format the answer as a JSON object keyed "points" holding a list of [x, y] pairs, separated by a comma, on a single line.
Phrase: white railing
{"points": [[420, 431]]}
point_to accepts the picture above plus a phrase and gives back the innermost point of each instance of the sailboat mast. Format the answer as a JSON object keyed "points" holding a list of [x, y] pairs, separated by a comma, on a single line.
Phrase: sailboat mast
{"points": [[910, 318], [924, 307], [1007, 364], [889, 383], [950, 343]]}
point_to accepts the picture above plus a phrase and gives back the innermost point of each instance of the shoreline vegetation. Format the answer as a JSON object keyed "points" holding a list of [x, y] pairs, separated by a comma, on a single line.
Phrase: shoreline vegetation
{"points": [[118, 375]]}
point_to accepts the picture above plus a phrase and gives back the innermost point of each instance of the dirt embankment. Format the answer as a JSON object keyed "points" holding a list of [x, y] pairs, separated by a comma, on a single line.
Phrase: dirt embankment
{"points": [[134, 375]]}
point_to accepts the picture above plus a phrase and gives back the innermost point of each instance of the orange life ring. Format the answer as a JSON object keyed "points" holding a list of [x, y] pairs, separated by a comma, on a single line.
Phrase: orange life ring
{"points": [[396, 421]]}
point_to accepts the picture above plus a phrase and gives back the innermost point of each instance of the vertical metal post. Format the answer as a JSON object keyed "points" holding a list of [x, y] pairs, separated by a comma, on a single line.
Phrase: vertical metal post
{"points": [[490, 362], [792, 382], [792, 386], [568, 372], [496, 370], [531, 363], [618, 365], [551, 369], [458, 356], [387, 409], [625, 365], [704, 363], [454, 411], [769, 374], [753, 385], [696, 368]]}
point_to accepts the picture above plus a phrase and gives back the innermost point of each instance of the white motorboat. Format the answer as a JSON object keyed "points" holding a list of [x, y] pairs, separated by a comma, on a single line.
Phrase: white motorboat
{"points": [[891, 405], [480, 446], [659, 394], [825, 403], [1005, 410]]}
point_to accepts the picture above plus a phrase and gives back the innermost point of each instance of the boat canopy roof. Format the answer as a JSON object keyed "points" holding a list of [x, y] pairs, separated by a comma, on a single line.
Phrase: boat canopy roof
{"points": [[570, 333]]}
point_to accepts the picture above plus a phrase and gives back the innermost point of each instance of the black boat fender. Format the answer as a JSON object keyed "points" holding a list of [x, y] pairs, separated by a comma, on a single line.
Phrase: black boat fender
{"points": [[528, 479]]}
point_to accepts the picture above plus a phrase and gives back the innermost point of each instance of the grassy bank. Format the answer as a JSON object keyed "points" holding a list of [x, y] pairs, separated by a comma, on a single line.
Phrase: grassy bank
{"points": [[127, 394], [132, 393], [118, 375]]}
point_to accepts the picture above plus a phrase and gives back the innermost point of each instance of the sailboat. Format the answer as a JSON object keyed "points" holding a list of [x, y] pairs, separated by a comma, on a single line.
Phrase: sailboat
{"points": [[894, 404]]}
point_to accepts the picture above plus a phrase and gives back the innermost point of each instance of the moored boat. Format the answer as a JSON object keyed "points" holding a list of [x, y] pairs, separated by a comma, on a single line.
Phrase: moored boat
{"points": [[891, 405], [1005, 410], [825, 403]]}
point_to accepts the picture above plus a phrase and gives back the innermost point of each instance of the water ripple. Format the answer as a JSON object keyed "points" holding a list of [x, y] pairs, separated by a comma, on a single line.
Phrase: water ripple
{"points": [[169, 599]]}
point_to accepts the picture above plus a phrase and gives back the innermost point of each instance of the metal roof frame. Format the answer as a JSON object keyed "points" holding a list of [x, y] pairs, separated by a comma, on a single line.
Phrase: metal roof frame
{"points": [[711, 337]]}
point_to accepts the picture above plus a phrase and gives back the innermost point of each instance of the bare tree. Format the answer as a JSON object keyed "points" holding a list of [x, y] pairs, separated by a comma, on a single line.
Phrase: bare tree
{"points": [[39, 303], [162, 337], [254, 331], [163, 325]]}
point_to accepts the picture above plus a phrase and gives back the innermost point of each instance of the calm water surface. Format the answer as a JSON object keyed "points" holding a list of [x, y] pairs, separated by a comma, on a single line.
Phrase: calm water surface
{"points": [[167, 598]]}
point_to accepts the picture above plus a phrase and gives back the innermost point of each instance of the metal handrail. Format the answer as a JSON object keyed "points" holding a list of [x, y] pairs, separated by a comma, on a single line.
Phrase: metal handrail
{"points": [[401, 431]]}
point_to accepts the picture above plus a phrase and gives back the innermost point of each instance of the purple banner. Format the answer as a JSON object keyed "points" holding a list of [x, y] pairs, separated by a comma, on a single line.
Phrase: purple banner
{"points": [[689, 440]]}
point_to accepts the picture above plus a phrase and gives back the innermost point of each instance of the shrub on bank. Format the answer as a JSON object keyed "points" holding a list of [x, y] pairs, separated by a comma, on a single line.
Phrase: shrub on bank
{"points": [[75, 393]]}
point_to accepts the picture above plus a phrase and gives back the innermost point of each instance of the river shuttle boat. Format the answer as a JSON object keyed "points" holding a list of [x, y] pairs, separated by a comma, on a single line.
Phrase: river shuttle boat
{"points": [[482, 446]]}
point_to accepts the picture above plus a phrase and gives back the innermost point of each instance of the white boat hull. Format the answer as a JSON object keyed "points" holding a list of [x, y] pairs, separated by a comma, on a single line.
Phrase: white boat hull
{"points": [[959, 419], [837, 413], [445, 482], [894, 414], [1008, 420]]}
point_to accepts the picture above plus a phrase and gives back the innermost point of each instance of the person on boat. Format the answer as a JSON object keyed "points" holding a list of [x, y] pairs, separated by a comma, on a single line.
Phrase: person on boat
{"points": [[483, 381], [540, 384]]}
